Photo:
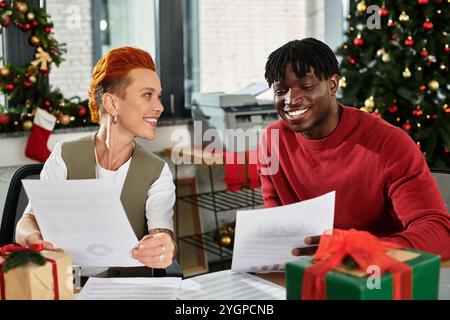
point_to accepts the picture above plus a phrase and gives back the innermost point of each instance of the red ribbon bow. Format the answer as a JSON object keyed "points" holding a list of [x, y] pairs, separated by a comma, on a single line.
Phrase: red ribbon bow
{"points": [[6, 250], [366, 250], [10, 248]]}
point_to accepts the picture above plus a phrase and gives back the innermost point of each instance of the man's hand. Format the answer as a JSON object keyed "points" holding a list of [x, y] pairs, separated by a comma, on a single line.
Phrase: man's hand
{"points": [[36, 238], [155, 251], [312, 240]]}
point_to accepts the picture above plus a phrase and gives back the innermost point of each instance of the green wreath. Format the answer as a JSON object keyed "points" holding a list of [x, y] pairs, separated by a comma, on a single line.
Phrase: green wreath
{"points": [[26, 88]]}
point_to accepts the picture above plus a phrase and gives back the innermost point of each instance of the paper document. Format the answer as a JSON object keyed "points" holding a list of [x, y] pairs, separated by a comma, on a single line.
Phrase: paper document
{"points": [[264, 238], [130, 289], [86, 219], [228, 285]]}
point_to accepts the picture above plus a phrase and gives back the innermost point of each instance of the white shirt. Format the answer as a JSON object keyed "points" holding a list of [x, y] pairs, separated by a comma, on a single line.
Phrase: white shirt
{"points": [[161, 194]]}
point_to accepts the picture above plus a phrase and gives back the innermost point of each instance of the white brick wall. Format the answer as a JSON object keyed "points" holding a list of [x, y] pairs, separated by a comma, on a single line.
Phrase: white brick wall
{"points": [[74, 74], [237, 36]]}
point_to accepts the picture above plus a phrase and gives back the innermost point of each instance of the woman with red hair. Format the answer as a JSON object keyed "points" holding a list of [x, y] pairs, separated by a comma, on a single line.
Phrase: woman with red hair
{"points": [[125, 99]]}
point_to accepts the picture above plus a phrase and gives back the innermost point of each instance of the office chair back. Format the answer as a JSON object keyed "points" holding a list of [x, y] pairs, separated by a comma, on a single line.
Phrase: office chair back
{"points": [[16, 201], [442, 177]]}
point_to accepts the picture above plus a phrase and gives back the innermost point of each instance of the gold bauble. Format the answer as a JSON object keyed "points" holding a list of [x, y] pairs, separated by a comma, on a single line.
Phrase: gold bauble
{"points": [[22, 7], [30, 16], [361, 7], [32, 79], [27, 125], [343, 83], [5, 72], [433, 85], [386, 57], [406, 73], [64, 119], [225, 241], [369, 103], [35, 41], [403, 17]]}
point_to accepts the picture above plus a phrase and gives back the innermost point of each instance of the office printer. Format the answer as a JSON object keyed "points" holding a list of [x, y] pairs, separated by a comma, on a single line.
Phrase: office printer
{"points": [[239, 110]]}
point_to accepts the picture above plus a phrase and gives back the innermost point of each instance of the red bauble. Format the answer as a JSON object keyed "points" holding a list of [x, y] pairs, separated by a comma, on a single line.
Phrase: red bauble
{"points": [[394, 37], [390, 24], [350, 59], [428, 25], [26, 27], [82, 111], [393, 108], [409, 42], [446, 150], [9, 87], [407, 126], [422, 88], [47, 103], [3, 4], [384, 12], [447, 110], [6, 22], [417, 112], [434, 116], [359, 42], [447, 48], [4, 119], [424, 52], [48, 29], [422, 1], [27, 84], [34, 23]]}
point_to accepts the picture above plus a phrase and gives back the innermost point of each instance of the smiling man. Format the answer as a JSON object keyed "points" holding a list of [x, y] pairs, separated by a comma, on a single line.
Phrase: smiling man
{"points": [[383, 184]]}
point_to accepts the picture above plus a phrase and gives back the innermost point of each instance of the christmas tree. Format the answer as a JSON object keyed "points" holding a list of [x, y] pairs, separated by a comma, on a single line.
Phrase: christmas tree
{"points": [[395, 63]]}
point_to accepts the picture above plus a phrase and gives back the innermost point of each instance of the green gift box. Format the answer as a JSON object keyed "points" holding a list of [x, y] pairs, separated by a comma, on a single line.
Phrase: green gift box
{"points": [[348, 284]]}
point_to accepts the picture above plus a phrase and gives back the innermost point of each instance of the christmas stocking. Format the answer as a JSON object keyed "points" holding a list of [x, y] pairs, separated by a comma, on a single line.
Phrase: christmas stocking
{"points": [[44, 123]]}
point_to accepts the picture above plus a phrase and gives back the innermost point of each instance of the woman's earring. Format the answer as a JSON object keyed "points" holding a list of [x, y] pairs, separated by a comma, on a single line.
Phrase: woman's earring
{"points": [[114, 120]]}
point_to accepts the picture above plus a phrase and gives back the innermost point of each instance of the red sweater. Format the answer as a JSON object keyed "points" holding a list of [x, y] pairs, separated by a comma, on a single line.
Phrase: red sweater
{"points": [[382, 182]]}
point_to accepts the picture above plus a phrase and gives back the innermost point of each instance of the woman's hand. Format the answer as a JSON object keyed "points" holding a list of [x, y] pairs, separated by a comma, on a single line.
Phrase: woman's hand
{"points": [[308, 251], [36, 238], [155, 251]]}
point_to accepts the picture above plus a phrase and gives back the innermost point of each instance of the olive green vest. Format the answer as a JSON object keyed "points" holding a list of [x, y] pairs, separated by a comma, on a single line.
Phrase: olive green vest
{"points": [[145, 168]]}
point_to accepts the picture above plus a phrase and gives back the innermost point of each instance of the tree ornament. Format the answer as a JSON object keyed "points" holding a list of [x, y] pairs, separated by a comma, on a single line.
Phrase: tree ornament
{"points": [[433, 85], [30, 16], [417, 112], [22, 7], [27, 84], [406, 73], [403, 17], [27, 125], [3, 4], [424, 52], [422, 88], [225, 240], [409, 41], [384, 12], [26, 27], [369, 103], [446, 48], [428, 25], [4, 119], [422, 2], [48, 29], [33, 79], [446, 150], [358, 41], [386, 57], [5, 72], [407, 126], [393, 108], [9, 87], [42, 58], [64, 119], [34, 23], [380, 52], [361, 7], [6, 22], [350, 59], [82, 111], [35, 41], [390, 23]]}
